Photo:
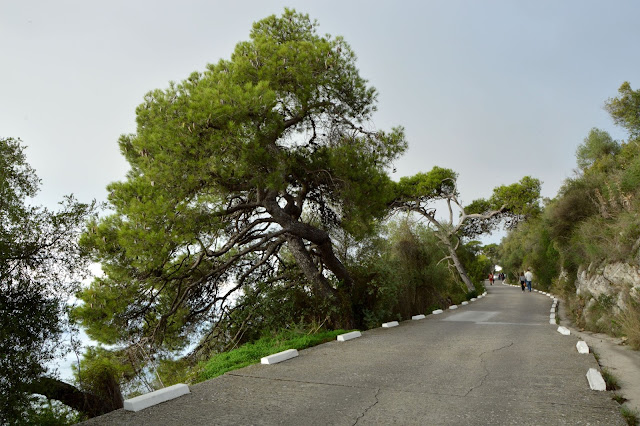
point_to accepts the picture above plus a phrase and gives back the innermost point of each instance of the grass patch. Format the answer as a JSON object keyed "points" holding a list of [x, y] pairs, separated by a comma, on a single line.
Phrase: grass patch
{"points": [[619, 398], [631, 416], [251, 353], [610, 380]]}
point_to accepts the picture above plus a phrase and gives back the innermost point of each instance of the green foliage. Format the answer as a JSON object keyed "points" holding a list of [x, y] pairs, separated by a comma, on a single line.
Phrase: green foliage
{"points": [[630, 415], [40, 267], [624, 109], [436, 184], [402, 275], [44, 412], [531, 246], [251, 353], [597, 146], [630, 322], [519, 198], [610, 379], [258, 158], [100, 372]]}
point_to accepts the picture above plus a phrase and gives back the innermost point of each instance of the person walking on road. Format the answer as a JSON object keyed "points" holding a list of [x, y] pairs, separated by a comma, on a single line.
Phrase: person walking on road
{"points": [[528, 276], [522, 281], [490, 278]]}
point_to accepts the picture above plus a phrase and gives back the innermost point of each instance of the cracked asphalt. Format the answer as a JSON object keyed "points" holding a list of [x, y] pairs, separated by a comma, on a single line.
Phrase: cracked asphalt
{"points": [[495, 361]]}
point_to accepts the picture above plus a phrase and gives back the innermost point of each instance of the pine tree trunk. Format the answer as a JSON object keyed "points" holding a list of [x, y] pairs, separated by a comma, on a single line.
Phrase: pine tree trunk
{"points": [[85, 402]]}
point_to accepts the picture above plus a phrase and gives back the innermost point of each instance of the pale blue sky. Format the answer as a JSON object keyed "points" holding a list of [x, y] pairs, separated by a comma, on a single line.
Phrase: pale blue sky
{"points": [[492, 89]]}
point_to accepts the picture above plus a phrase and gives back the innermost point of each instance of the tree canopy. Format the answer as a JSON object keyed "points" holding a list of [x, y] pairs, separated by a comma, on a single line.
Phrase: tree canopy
{"points": [[235, 172]]}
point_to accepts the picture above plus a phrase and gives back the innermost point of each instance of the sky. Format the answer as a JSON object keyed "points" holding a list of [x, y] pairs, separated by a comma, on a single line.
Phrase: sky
{"points": [[495, 90]]}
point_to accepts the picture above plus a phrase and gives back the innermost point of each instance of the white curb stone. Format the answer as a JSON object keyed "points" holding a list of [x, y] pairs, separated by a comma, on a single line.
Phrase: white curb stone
{"points": [[153, 398], [564, 331], [437, 311], [418, 317], [465, 303], [596, 382], [553, 309], [552, 316], [279, 357], [349, 336], [473, 299], [453, 307], [390, 324], [582, 347], [552, 320]]}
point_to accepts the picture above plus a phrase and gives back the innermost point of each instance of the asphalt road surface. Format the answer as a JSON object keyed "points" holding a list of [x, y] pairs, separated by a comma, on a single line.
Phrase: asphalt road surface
{"points": [[495, 361]]}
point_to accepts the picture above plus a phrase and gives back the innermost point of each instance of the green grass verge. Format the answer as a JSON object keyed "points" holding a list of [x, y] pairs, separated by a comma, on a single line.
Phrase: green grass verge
{"points": [[630, 415], [252, 352], [611, 380]]}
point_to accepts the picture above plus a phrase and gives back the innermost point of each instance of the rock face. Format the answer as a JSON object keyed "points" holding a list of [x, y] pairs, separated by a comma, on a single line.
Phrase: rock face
{"points": [[610, 282]]}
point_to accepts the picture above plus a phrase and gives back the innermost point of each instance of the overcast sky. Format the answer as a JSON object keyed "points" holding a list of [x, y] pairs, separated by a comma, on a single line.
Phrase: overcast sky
{"points": [[492, 89]]}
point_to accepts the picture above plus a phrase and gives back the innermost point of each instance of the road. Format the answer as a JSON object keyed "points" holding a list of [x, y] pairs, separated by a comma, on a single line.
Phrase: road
{"points": [[495, 361]]}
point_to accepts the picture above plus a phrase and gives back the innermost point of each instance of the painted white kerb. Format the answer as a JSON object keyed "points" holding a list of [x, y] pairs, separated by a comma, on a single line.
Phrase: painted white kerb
{"points": [[390, 324], [153, 398], [418, 317], [279, 357], [582, 347], [596, 382], [349, 336]]}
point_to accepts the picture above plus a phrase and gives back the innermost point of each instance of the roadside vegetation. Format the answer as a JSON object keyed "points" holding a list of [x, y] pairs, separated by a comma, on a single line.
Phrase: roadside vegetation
{"points": [[592, 222]]}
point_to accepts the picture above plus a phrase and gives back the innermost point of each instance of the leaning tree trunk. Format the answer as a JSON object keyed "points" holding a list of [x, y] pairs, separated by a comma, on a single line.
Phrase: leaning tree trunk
{"points": [[318, 281], [456, 262], [297, 233], [90, 404]]}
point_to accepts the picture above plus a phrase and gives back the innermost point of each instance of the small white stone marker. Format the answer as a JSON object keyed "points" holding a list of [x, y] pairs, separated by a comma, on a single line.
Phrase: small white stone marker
{"points": [[473, 299], [564, 331], [465, 303], [390, 324], [453, 307], [349, 336], [552, 321], [582, 347], [480, 296], [279, 357], [484, 294], [555, 300], [596, 382], [153, 398], [437, 311], [552, 315], [553, 309], [418, 317]]}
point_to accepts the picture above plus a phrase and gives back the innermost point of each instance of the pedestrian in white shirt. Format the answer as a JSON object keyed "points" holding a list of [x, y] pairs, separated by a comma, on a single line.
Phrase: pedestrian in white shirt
{"points": [[528, 277]]}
